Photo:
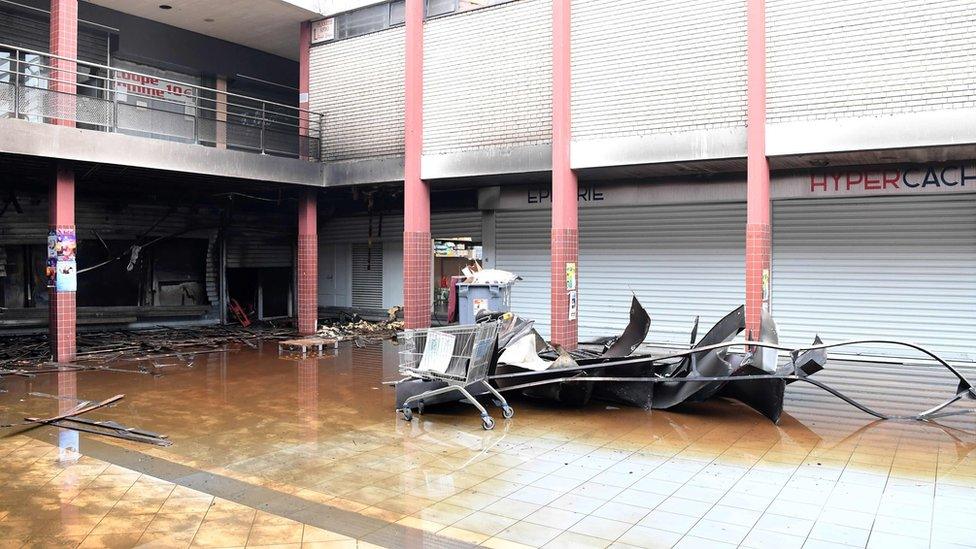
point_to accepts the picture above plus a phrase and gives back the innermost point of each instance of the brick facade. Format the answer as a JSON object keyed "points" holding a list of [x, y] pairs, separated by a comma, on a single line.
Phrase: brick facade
{"points": [[657, 66], [360, 95], [837, 59], [476, 101]]}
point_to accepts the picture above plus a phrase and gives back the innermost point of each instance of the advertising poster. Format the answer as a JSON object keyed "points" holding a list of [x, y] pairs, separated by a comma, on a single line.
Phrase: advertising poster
{"points": [[570, 277], [572, 305], [62, 261], [51, 269]]}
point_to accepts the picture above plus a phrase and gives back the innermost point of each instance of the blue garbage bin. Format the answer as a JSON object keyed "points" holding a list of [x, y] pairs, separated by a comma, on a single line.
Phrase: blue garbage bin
{"points": [[474, 298]]}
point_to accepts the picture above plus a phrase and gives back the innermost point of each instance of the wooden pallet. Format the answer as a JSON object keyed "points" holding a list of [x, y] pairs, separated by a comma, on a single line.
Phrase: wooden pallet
{"points": [[305, 346]]}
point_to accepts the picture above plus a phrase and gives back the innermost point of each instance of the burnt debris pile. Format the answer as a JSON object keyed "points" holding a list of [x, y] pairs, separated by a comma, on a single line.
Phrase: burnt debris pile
{"points": [[721, 363]]}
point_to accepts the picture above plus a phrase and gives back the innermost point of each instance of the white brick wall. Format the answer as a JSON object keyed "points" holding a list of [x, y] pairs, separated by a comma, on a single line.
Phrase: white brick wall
{"points": [[829, 59], [657, 66], [487, 77], [358, 84]]}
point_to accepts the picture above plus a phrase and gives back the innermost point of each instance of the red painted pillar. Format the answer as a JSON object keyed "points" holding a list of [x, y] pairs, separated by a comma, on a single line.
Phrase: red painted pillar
{"points": [[64, 42], [308, 264], [62, 310], [308, 253], [305, 43], [758, 217], [565, 220], [416, 193]]}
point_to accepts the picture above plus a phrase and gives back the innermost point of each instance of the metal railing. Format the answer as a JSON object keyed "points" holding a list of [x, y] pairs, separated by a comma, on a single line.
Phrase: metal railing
{"points": [[46, 88]]}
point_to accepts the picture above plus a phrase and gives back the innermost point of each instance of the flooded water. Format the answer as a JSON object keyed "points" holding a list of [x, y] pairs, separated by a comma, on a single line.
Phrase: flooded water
{"points": [[323, 430]]}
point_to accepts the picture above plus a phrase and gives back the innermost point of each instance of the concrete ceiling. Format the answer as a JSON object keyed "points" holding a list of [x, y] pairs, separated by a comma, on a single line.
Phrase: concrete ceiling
{"points": [[266, 25]]}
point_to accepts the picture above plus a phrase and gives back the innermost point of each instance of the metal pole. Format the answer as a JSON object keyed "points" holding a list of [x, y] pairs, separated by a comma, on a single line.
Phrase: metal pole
{"points": [[262, 126], [115, 100], [321, 136], [16, 78], [196, 118]]}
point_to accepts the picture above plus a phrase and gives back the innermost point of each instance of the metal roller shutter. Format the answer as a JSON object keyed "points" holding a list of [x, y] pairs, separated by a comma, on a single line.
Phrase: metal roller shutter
{"points": [[456, 224], [522, 246], [442, 225], [682, 261], [31, 30], [367, 276], [897, 267], [258, 251]]}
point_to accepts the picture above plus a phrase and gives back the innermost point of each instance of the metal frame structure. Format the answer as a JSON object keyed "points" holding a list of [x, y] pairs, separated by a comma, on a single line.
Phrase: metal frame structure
{"points": [[473, 354], [793, 372]]}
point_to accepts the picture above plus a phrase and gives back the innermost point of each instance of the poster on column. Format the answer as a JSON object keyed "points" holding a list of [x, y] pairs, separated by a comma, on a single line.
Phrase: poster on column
{"points": [[51, 267], [572, 305], [62, 264]]}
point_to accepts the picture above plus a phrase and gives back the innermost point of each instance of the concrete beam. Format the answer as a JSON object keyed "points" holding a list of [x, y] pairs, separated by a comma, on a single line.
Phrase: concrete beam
{"points": [[45, 140]]}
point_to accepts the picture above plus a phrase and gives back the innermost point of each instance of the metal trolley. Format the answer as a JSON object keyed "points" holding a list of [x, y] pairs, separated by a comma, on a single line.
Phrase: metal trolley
{"points": [[457, 355]]}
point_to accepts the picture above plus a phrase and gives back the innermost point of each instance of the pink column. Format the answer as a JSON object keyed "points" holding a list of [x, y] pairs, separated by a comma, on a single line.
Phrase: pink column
{"points": [[565, 221], [304, 44], [64, 42], [758, 221], [416, 193], [308, 264], [62, 310]]}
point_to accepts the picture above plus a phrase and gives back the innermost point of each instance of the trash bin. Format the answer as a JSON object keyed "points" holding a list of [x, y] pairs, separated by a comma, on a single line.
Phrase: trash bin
{"points": [[473, 298]]}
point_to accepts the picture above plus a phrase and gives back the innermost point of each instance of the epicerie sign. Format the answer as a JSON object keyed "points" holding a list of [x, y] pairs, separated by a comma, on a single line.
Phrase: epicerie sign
{"points": [[544, 196], [905, 179]]}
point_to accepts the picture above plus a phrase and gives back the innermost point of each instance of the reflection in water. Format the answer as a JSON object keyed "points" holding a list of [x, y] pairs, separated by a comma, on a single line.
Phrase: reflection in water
{"points": [[324, 428], [308, 395], [68, 395]]}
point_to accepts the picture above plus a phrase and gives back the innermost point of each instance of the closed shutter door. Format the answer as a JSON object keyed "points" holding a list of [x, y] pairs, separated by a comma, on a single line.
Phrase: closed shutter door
{"points": [[254, 251], [522, 247], [681, 261], [901, 268], [31, 30], [445, 225], [367, 276]]}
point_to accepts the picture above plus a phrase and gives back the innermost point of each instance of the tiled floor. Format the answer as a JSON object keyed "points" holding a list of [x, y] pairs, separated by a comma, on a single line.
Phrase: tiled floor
{"points": [[323, 431]]}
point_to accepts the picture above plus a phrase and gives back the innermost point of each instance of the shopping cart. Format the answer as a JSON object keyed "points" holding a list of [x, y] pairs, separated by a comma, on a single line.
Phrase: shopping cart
{"points": [[457, 355]]}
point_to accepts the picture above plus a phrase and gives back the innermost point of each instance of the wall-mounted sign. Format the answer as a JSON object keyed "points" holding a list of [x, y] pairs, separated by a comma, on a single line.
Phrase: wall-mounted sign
{"points": [[544, 195], [572, 305], [323, 30], [570, 276], [150, 86], [918, 178]]}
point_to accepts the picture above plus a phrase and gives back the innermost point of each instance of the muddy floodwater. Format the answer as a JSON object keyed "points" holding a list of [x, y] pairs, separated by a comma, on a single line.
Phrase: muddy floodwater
{"points": [[275, 450]]}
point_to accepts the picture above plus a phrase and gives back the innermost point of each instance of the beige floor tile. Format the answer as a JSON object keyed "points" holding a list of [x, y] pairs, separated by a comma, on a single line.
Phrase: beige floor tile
{"points": [[222, 533], [529, 533], [486, 523], [575, 540], [463, 535], [650, 538]]}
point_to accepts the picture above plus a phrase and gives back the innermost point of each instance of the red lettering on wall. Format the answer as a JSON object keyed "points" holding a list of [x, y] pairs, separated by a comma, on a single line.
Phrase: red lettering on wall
{"points": [[851, 179], [872, 181], [890, 178], [818, 181], [836, 177]]}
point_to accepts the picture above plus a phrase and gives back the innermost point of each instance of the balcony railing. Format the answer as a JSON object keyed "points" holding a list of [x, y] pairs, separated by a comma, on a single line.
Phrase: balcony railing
{"points": [[38, 86]]}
